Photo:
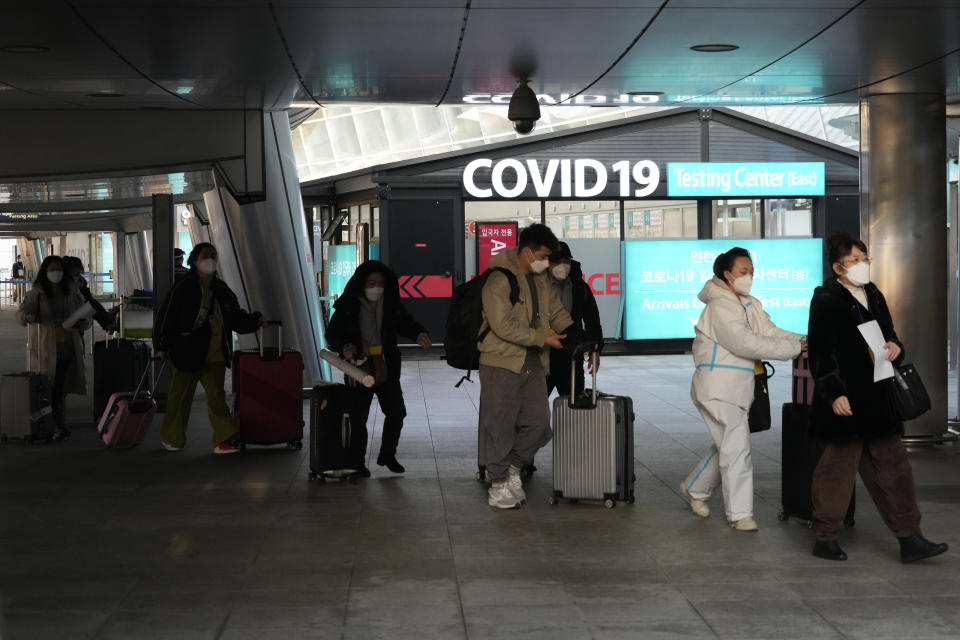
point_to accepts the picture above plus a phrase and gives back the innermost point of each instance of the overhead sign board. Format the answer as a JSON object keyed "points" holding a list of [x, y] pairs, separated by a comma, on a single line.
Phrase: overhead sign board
{"points": [[726, 179], [662, 279], [510, 178]]}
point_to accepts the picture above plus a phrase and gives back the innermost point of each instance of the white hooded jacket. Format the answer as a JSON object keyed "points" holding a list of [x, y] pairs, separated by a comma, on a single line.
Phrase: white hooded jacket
{"points": [[732, 333]]}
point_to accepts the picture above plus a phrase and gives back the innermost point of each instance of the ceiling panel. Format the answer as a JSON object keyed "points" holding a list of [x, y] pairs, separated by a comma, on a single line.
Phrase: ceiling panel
{"points": [[228, 54]]}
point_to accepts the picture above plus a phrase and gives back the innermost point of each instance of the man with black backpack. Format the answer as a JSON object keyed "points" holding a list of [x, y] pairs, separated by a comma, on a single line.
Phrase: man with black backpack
{"points": [[522, 318]]}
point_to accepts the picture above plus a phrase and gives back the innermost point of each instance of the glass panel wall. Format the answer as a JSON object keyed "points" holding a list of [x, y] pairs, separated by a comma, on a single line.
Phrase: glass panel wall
{"points": [[584, 218], [736, 218], [789, 217], [660, 219]]}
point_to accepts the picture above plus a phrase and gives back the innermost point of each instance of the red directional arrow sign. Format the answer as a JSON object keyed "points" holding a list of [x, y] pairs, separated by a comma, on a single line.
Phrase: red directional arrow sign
{"points": [[425, 286]]}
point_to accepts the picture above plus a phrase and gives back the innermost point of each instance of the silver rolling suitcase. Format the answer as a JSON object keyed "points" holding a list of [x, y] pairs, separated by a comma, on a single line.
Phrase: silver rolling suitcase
{"points": [[593, 447], [25, 411]]}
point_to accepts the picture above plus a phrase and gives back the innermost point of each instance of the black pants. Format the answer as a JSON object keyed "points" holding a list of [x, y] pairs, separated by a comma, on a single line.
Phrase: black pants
{"points": [[559, 377], [58, 399], [390, 396]]}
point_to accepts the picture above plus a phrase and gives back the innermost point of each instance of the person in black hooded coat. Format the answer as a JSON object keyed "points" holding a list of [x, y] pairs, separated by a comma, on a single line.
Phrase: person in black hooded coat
{"points": [[368, 317], [853, 416], [566, 277]]}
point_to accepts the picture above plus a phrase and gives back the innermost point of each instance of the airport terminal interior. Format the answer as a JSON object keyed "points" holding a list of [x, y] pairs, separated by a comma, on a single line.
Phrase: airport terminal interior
{"points": [[305, 140]]}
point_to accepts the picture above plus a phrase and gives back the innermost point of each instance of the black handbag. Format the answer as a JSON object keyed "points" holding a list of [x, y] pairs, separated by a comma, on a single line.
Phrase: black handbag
{"points": [[758, 418], [910, 398], [189, 350]]}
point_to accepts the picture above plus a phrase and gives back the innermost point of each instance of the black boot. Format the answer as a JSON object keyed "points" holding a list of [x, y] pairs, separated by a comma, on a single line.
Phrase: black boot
{"points": [[390, 462], [829, 550], [916, 547]]}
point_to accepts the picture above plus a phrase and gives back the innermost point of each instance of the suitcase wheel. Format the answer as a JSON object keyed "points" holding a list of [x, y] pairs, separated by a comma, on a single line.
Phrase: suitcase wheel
{"points": [[313, 475], [243, 446], [572, 501], [631, 499], [782, 517], [295, 444], [552, 500], [609, 504]]}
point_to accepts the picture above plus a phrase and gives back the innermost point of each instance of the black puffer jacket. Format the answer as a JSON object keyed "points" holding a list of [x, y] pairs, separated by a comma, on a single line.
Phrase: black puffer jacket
{"points": [[344, 326], [585, 313], [842, 366], [178, 313]]}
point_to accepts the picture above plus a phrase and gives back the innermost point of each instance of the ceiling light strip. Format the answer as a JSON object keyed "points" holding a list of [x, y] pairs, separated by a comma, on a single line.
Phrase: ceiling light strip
{"points": [[456, 56], [794, 50], [286, 47], [625, 51], [117, 53]]}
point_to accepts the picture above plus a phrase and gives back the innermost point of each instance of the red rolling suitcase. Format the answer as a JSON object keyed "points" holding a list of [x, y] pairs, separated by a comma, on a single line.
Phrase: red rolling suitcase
{"points": [[128, 416], [268, 391]]}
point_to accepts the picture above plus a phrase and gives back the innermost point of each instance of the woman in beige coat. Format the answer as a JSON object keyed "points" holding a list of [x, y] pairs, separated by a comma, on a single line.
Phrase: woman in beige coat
{"points": [[51, 349]]}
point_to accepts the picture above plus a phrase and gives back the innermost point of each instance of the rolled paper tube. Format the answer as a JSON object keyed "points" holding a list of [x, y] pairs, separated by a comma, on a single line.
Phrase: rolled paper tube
{"points": [[351, 370]]}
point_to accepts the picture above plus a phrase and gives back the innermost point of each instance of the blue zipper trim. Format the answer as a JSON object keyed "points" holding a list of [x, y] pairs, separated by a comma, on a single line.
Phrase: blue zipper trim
{"points": [[725, 366], [713, 362], [702, 469]]}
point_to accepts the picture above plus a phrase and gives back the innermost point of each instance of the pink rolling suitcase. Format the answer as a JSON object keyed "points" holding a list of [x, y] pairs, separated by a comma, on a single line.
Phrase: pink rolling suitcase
{"points": [[128, 416], [268, 391]]}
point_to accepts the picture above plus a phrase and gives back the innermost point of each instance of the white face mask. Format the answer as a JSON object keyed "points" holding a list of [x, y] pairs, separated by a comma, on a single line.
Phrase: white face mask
{"points": [[539, 266], [373, 293], [743, 284], [859, 274], [55, 276], [207, 267], [561, 271]]}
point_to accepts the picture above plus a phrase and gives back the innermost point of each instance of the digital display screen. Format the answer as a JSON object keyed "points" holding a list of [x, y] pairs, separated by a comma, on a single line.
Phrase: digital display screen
{"points": [[662, 278]]}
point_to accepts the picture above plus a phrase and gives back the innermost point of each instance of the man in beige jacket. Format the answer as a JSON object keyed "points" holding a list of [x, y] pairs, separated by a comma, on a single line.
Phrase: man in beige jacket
{"points": [[514, 361]]}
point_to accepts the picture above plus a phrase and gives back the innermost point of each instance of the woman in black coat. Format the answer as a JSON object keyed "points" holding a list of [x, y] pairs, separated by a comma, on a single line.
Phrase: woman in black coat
{"points": [[367, 319], [193, 328], [853, 415]]}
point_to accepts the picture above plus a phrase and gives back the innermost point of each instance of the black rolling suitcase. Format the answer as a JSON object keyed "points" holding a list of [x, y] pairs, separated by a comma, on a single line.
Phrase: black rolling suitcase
{"points": [[338, 443], [117, 367], [799, 457]]}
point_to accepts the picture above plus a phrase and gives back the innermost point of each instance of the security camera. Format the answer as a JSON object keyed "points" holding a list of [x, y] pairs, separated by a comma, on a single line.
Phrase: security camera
{"points": [[524, 110]]}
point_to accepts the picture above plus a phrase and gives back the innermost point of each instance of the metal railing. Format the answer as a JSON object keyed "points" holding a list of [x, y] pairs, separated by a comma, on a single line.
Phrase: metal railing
{"points": [[13, 290]]}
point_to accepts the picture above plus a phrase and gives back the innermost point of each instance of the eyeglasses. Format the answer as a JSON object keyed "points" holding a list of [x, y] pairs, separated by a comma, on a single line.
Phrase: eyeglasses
{"points": [[856, 261]]}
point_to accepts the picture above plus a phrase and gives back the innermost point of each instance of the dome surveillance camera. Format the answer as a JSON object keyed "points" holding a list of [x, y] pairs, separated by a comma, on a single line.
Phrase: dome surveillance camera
{"points": [[524, 110]]}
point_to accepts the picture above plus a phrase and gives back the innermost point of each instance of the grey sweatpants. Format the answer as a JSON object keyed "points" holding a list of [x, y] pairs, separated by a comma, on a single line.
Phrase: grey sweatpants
{"points": [[514, 416]]}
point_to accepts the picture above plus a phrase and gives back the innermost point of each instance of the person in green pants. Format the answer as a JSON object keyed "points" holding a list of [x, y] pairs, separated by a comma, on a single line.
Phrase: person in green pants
{"points": [[193, 330]]}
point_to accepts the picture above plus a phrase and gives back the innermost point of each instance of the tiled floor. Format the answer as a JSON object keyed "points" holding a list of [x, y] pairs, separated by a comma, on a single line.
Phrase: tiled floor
{"points": [[146, 544]]}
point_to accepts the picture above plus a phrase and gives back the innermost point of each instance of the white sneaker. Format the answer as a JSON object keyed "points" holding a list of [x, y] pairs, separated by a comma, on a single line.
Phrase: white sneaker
{"points": [[699, 507], [170, 447], [501, 497], [745, 524], [515, 484]]}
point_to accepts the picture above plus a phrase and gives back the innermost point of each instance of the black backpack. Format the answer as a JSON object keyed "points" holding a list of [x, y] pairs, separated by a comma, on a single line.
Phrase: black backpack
{"points": [[466, 318]]}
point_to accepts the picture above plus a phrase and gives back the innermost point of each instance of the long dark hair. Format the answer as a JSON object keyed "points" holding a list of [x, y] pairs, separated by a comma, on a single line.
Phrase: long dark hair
{"points": [[44, 283]]}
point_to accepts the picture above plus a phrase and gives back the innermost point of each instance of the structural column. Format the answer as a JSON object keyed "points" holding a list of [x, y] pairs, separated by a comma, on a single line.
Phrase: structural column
{"points": [[265, 253], [903, 220]]}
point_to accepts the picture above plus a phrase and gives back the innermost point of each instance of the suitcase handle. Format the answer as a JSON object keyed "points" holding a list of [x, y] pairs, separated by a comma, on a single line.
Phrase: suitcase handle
{"points": [[146, 370], [574, 394], [270, 353]]}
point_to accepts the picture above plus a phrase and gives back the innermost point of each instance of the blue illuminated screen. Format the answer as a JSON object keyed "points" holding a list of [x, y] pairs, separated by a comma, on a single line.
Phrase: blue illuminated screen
{"points": [[663, 277]]}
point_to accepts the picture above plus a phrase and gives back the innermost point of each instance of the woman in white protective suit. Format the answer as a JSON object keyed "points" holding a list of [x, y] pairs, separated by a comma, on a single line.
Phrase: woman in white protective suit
{"points": [[733, 332]]}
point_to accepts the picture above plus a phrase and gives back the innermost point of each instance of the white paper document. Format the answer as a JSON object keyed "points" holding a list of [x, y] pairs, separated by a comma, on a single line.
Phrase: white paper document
{"points": [[882, 368]]}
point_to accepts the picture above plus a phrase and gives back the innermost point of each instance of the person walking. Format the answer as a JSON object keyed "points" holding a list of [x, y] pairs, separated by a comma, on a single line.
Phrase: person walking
{"points": [[733, 332], [514, 361], [193, 329], [51, 349], [566, 278], [852, 414], [367, 320]]}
